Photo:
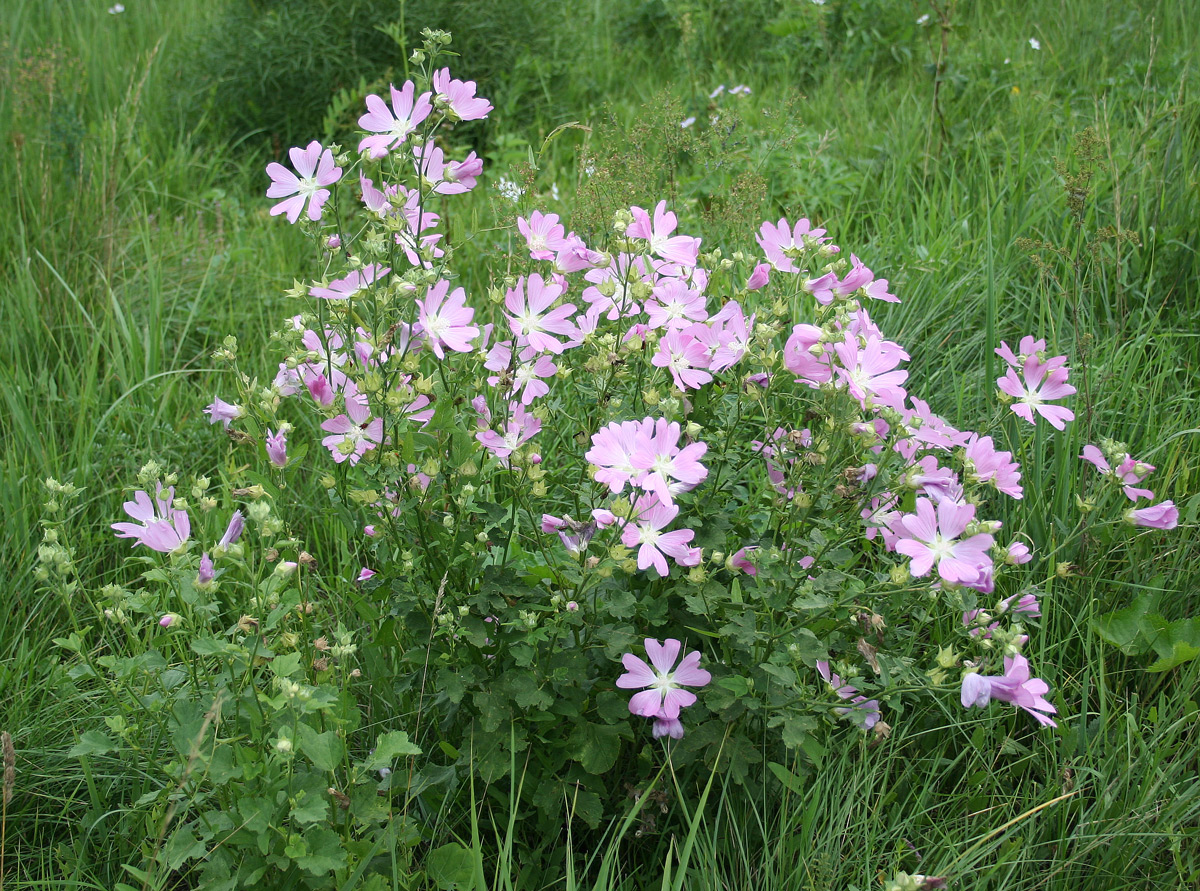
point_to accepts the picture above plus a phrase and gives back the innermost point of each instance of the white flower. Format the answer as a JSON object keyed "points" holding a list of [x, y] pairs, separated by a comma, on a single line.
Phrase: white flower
{"points": [[1035, 43], [509, 189], [923, 19], [116, 9], [687, 122]]}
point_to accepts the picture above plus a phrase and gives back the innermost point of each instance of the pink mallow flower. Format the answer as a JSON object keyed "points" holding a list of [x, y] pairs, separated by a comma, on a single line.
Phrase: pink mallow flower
{"points": [[544, 235], [681, 249], [1042, 381], [782, 242], [529, 303], [870, 372], [159, 526], [1127, 473], [1015, 686], [393, 126], [986, 465], [662, 694], [354, 433], [645, 532], [316, 169], [930, 536], [458, 98], [1157, 516], [864, 712], [520, 428], [276, 444], [446, 322], [222, 412]]}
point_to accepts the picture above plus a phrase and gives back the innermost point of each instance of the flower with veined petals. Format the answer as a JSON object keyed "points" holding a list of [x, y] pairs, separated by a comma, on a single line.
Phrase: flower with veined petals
{"points": [[666, 466], [1015, 686], [1156, 516], [458, 97], [222, 412], [1042, 381], [864, 712], [276, 444], [782, 242], [354, 433], [352, 283], [662, 685], [645, 532], [392, 126], [160, 526], [543, 233], [528, 302], [446, 321], [316, 169], [1128, 472], [681, 249], [930, 537]]}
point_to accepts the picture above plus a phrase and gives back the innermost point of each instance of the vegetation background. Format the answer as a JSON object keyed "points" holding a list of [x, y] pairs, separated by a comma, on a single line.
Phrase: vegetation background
{"points": [[1011, 167]]}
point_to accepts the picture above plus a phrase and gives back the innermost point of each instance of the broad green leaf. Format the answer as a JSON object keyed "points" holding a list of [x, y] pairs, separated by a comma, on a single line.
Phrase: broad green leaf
{"points": [[390, 746], [324, 852], [92, 742], [451, 867], [324, 750], [596, 746]]}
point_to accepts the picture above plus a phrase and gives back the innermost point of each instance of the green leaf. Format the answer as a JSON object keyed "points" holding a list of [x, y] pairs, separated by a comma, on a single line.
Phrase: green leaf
{"points": [[1180, 653], [390, 746], [324, 852], [596, 746], [324, 750], [811, 648], [93, 742], [309, 808], [211, 646], [286, 665], [182, 846], [451, 866], [1121, 628]]}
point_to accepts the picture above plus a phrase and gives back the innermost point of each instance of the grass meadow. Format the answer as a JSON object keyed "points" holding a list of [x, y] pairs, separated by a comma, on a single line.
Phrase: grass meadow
{"points": [[1010, 167]]}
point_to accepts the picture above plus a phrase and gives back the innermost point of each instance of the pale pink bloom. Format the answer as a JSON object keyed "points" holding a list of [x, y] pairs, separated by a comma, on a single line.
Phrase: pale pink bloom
{"points": [[782, 242], [365, 574], [733, 336], [930, 537], [168, 620], [986, 465], [159, 526], [870, 372], [573, 534], [1158, 516], [612, 451], [645, 532], [354, 433], [458, 98], [353, 283], [528, 303], [924, 427], [237, 523], [674, 305], [276, 445], [206, 572], [622, 271], [681, 249], [662, 694], [666, 468], [799, 358], [741, 560], [829, 287], [453, 178], [686, 357], [1028, 348], [1015, 686], [316, 169], [519, 429], [446, 321], [392, 126], [222, 412], [1128, 472], [320, 390], [1017, 553], [1026, 603], [1043, 381], [864, 712], [759, 277], [576, 256], [543, 234]]}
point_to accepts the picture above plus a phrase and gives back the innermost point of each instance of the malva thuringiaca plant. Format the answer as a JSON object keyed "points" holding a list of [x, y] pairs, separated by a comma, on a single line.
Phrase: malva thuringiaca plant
{"points": [[627, 446]]}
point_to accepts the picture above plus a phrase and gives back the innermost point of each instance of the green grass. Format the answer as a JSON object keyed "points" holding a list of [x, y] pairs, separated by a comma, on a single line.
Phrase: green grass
{"points": [[135, 243]]}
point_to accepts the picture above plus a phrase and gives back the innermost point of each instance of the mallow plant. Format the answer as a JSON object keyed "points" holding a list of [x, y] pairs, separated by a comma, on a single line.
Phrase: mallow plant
{"points": [[637, 499]]}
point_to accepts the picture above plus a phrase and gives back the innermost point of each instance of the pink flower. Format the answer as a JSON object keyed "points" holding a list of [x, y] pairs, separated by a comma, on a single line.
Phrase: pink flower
{"points": [[686, 357], [1128, 472], [354, 282], [986, 465], [453, 178], [741, 560], [233, 531], [645, 532], [528, 302], [458, 98], [1157, 516], [168, 620], [680, 249], [206, 573], [663, 696], [805, 357], [933, 539], [759, 277], [869, 373], [1015, 686], [276, 444], [354, 433], [316, 169], [666, 468], [674, 305], [1042, 381], [222, 412], [543, 233], [520, 428], [160, 527], [393, 125], [446, 322], [782, 243], [365, 574], [864, 712]]}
